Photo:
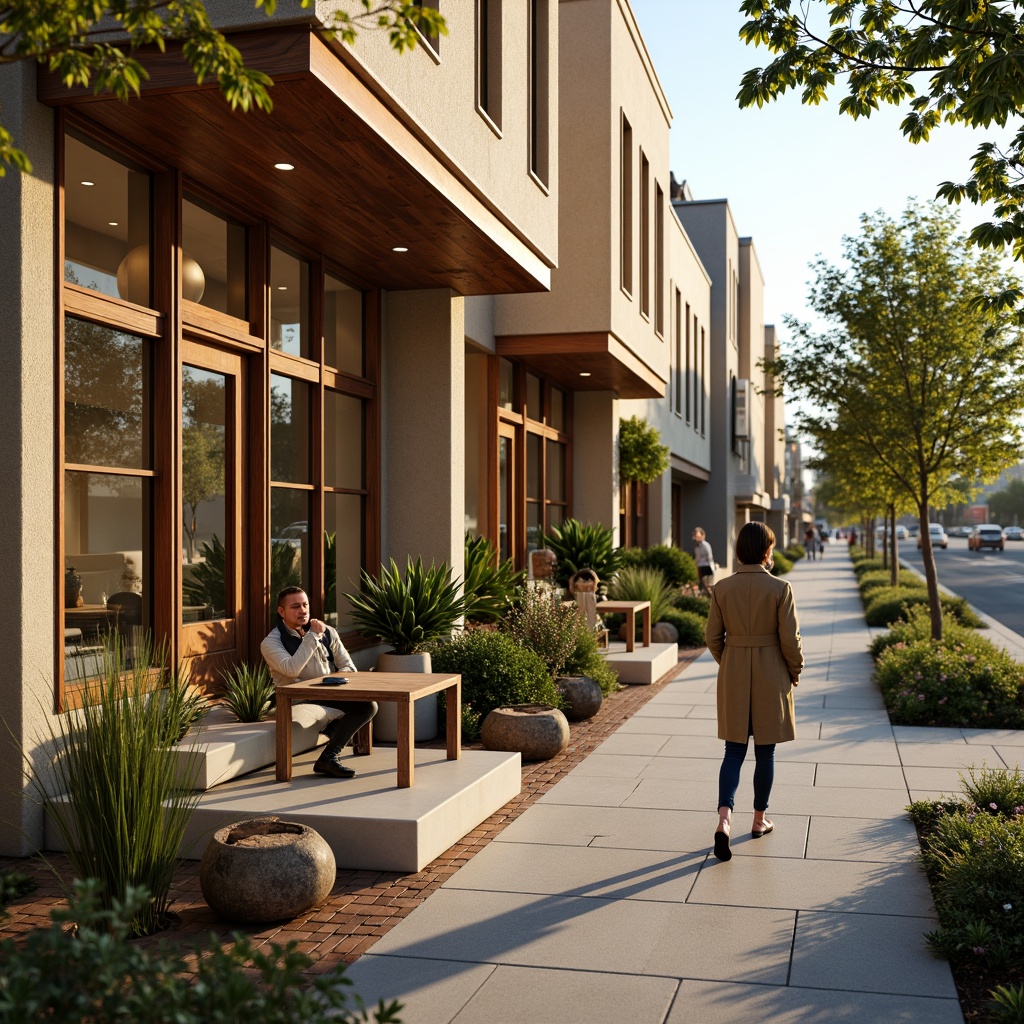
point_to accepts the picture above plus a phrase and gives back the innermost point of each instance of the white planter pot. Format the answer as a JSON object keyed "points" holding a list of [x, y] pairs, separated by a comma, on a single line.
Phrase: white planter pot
{"points": [[385, 722]]}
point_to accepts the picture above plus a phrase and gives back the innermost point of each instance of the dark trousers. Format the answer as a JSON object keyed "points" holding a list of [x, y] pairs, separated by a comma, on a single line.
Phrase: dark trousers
{"points": [[729, 774], [357, 714]]}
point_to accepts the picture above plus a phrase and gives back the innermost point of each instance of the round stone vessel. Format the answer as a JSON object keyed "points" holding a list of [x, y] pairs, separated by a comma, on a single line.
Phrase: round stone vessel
{"points": [[537, 731], [582, 696], [265, 869]]}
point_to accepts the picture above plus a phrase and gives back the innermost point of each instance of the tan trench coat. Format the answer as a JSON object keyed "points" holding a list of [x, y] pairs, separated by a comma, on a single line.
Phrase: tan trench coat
{"points": [[754, 635]]}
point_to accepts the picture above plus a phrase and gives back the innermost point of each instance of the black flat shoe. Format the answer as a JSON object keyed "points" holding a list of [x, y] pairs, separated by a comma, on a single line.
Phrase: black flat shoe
{"points": [[336, 771], [722, 851], [770, 828]]}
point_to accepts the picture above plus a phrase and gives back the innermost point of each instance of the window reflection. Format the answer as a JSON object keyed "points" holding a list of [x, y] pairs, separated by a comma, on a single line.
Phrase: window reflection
{"points": [[343, 553], [290, 427], [290, 553], [343, 440], [214, 265], [106, 223], [289, 304], [343, 326]]}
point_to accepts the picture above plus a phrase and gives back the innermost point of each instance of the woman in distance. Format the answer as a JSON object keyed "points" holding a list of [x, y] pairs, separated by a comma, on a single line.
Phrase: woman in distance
{"points": [[754, 635]]}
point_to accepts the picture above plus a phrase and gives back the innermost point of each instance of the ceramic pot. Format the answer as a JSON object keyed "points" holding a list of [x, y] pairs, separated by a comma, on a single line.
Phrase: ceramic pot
{"points": [[72, 587], [385, 722]]}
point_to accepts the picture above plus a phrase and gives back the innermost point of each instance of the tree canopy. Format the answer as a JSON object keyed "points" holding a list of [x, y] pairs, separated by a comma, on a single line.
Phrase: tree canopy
{"points": [[911, 370], [1007, 506], [94, 42], [948, 61]]}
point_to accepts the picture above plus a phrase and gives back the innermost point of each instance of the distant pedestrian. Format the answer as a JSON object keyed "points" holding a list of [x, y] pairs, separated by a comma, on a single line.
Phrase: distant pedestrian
{"points": [[853, 537], [821, 542], [754, 635], [810, 541], [705, 560]]}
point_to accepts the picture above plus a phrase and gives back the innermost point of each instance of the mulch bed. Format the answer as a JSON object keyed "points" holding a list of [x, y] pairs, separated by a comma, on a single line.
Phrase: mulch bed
{"points": [[364, 905]]}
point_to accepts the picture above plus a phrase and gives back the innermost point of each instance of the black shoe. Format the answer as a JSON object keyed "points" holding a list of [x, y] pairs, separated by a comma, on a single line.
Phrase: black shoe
{"points": [[335, 769]]}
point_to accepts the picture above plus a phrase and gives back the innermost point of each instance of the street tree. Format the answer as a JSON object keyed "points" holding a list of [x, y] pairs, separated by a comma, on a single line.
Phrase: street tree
{"points": [[910, 366], [95, 43], [946, 61], [1007, 506]]}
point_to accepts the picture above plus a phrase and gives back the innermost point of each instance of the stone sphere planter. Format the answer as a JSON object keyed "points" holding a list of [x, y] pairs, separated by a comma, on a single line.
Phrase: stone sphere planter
{"points": [[265, 869], [537, 731], [582, 696], [664, 633]]}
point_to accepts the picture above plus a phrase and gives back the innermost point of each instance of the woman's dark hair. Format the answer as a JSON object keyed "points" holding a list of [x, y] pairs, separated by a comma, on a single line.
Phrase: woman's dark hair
{"points": [[753, 543]]}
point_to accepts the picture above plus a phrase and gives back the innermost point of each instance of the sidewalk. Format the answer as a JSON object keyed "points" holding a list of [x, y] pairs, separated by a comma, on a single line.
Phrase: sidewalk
{"points": [[602, 902]]}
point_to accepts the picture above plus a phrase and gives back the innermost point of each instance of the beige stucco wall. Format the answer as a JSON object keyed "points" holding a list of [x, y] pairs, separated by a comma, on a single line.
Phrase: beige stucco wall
{"points": [[595, 468], [423, 423], [27, 455], [751, 351]]}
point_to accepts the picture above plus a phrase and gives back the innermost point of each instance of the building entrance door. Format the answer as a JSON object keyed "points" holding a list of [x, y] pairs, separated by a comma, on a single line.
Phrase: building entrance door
{"points": [[508, 534]]}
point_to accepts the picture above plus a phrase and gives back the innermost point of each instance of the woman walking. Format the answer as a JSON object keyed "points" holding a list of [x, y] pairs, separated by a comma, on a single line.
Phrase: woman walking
{"points": [[754, 635]]}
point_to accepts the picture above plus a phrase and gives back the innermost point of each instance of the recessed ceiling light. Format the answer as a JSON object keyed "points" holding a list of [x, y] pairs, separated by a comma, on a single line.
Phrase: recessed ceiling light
{"points": [[88, 183], [399, 248], [584, 373], [112, 223], [282, 287], [284, 167]]}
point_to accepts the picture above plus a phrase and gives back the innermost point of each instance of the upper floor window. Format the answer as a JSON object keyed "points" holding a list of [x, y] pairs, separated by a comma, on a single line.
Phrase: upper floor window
{"points": [[107, 213], [539, 88], [645, 235], [214, 259], [488, 50], [289, 304], [659, 260], [626, 206], [432, 39]]}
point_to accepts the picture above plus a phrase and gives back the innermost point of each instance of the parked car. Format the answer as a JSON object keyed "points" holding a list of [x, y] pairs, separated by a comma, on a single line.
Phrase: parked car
{"points": [[986, 536], [1013, 533], [913, 529], [938, 536]]}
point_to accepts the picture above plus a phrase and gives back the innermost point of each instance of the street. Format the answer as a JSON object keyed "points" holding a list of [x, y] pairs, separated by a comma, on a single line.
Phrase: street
{"points": [[993, 581]]}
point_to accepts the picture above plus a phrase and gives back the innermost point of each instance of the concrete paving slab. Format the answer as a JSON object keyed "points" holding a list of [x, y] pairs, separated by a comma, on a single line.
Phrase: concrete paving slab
{"points": [[723, 944], [842, 700], [651, 710], [672, 695], [1012, 757], [665, 725], [709, 712], [838, 752], [594, 790], [861, 776], [948, 755], [623, 766], [608, 873], [691, 746], [715, 1003], [945, 780], [556, 997], [836, 886], [431, 991], [705, 769], [632, 743], [865, 953], [863, 840], [868, 732], [927, 734], [996, 737]]}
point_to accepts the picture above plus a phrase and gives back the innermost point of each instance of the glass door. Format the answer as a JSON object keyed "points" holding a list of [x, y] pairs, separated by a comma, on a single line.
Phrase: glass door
{"points": [[508, 546], [213, 537]]}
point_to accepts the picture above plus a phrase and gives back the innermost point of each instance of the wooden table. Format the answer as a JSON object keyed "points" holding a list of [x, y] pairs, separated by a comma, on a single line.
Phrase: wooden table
{"points": [[630, 608], [92, 619], [402, 688]]}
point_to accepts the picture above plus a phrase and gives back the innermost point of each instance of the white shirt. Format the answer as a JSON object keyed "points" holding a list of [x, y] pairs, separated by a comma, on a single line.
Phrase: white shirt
{"points": [[308, 662], [702, 554]]}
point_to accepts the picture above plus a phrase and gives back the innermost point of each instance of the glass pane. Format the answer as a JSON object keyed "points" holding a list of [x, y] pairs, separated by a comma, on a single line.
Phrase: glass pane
{"points": [[289, 305], [106, 223], [213, 264], [506, 384], [534, 466], [556, 472], [344, 440], [534, 409], [204, 417], [106, 560], [343, 554], [289, 540], [290, 430], [343, 326], [532, 526], [106, 397], [555, 516], [504, 497], [557, 409]]}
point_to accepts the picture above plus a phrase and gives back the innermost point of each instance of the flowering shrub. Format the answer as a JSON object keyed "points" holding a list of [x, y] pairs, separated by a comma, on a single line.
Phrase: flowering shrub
{"points": [[887, 604], [959, 681], [916, 624]]}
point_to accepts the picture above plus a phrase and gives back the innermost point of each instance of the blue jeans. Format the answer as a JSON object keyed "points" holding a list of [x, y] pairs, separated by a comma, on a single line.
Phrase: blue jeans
{"points": [[729, 774]]}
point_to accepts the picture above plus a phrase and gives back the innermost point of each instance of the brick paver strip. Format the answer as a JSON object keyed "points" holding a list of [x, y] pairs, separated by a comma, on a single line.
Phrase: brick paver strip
{"points": [[363, 905]]}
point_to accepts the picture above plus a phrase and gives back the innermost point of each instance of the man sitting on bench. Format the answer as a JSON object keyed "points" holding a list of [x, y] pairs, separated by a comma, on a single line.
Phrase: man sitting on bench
{"points": [[299, 647]]}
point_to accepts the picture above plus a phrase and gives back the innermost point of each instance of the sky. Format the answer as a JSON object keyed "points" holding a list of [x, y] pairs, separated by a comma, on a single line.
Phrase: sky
{"points": [[797, 178]]}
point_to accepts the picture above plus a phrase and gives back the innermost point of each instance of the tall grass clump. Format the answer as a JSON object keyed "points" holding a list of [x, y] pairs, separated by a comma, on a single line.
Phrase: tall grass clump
{"points": [[125, 812], [248, 692], [643, 583]]}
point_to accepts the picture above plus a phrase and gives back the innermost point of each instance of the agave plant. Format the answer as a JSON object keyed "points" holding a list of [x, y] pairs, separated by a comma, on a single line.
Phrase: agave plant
{"points": [[248, 692], [582, 546], [490, 587], [407, 613]]}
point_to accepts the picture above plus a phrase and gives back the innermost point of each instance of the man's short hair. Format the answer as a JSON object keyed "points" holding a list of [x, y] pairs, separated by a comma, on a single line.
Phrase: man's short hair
{"points": [[287, 592], [753, 542]]}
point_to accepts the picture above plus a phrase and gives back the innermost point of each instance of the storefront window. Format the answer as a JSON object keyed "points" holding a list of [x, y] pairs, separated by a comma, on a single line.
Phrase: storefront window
{"points": [[290, 430], [214, 266], [344, 529], [289, 305], [344, 441], [343, 326]]}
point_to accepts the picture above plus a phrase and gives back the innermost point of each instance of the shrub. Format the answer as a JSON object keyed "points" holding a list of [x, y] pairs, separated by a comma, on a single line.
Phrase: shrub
{"points": [[916, 624], [887, 604], [690, 625], [863, 564], [643, 584], [965, 682], [496, 671], [125, 815], [13, 885], [546, 626], [780, 564], [678, 567], [582, 546], [699, 604], [490, 586], [795, 552], [90, 973], [248, 692], [875, 578], [995, 790], [586, 659]]}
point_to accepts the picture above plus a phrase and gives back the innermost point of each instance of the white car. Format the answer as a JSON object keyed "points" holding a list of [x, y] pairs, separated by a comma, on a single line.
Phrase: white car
{"points": [[938, 536]]}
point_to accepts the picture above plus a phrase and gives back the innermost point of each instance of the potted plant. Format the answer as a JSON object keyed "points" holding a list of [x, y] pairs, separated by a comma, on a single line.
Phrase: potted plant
{"points": [[407, 614]]}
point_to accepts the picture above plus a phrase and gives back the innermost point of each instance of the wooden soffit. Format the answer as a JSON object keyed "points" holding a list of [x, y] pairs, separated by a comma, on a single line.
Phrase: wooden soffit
{"points": [[584, 362], [363, 182]]}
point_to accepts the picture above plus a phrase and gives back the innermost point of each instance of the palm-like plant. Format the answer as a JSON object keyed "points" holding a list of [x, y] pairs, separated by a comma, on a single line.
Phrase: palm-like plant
{"points": [[407, 613], [248, 692], [490, 586], [582, 546]]}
